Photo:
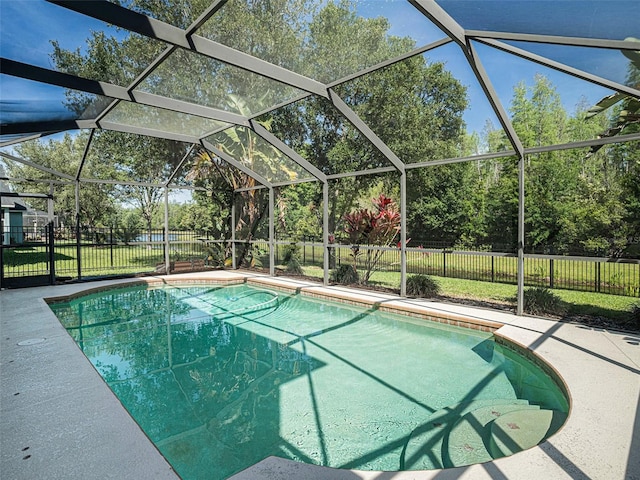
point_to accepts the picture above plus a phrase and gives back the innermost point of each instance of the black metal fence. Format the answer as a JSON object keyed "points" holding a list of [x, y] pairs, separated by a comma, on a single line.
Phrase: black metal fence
{"points": [[617, 276], [26, 256], [95, 252]]}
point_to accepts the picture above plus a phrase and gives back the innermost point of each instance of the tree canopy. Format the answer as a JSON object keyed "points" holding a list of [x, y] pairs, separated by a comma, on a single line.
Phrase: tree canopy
{"points": [[577, 201]]}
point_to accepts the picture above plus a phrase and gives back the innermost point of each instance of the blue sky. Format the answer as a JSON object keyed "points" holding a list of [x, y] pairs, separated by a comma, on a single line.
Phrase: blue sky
{"points": [[27, 26]]}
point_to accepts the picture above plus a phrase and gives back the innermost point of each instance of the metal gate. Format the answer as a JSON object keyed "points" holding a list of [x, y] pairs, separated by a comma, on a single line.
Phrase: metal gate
{"points": [[26, 251], [27, 258]]}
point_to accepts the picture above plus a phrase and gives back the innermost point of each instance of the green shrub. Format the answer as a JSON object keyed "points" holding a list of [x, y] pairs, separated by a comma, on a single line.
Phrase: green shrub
{"points": [[344, 274], [290, 251], [291, 258], [293, 266], [422, 286], [214, 255], [541, 300]]}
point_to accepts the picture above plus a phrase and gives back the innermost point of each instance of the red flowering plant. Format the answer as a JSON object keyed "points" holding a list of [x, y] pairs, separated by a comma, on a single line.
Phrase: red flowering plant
{"points": [[378, 227]]}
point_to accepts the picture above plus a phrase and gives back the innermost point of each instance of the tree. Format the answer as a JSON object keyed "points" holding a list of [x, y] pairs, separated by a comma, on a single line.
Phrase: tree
{"points": [[550, 179], [627, 156], [502, 206], [299, 217], [440, 202], [244, 146], [204, 216], [128, 225], [416, 108], [64, 155], [137, 159], [574, 200]]}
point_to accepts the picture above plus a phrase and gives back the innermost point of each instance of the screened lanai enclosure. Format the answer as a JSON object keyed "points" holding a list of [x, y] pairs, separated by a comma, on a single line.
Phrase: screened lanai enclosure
{"points": [[490, 140]]}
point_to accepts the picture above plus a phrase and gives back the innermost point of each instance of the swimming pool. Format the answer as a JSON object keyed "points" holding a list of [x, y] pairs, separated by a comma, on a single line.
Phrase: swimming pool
{"points": [[221, 377]]}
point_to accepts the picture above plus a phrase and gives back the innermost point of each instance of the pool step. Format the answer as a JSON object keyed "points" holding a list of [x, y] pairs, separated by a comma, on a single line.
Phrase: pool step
{"points": [[469, 439], [423, 449], [522, 429]]}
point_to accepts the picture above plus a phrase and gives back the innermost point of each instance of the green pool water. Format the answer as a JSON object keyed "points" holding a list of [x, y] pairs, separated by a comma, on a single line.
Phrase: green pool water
{"points": [[221, 377]]}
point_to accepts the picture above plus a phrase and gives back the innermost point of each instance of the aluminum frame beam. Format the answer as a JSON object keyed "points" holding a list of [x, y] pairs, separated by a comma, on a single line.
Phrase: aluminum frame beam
{"points": [[631, 137], [128, 19], [167, 253], [188, 108], [288, 151], [61, 79], [561, 67], [229, 159], [555, 39], [364, 129], [252, 64], [47, 127], [403, 233], [120, 182], [180, 165], [205, 16], [51, 77], [36, 180], [26, 138], [444, 21], [358, 173], [84, 154], [156, 29], [391, 61], [26, 195], [492, 96], [325, 233], [272, 234], [36, 166], [521, 236], [178, 137]]}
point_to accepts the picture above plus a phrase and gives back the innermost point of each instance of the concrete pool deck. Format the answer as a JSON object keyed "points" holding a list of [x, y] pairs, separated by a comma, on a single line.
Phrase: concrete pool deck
{"points": [[58, 419]]}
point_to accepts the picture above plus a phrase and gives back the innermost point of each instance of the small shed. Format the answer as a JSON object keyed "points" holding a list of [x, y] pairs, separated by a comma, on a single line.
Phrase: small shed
{"points": [[12, 210]]}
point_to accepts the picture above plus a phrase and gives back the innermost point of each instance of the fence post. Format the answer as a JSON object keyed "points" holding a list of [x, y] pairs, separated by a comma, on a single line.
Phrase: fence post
{"points": [[493, 269], [233, 231], [111, 244], [444, 262], [551, 279], [165, 234], [52, 258], [164, 245], [78, 247], [598, 277]]}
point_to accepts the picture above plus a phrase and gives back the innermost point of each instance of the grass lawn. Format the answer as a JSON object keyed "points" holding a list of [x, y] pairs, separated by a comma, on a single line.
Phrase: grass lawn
{"points": [[621, 278], [615, 308], [96, 261], [130, 259]]}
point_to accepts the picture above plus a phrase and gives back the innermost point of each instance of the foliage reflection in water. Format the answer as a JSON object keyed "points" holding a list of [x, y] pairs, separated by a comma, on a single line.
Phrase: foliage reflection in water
{"points": [[221, 377]]}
